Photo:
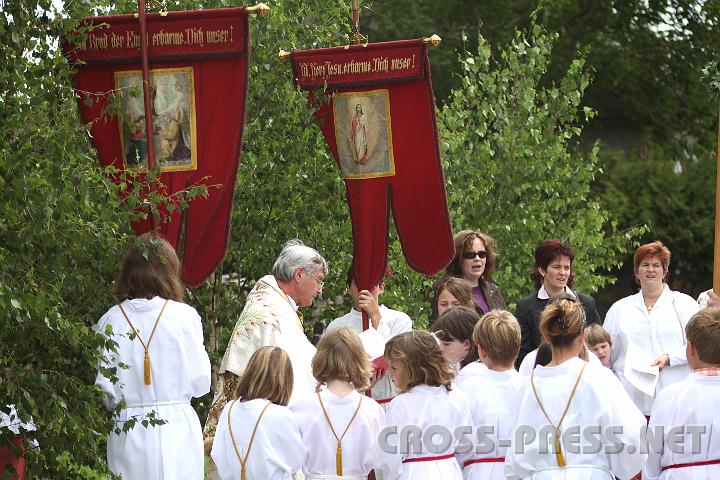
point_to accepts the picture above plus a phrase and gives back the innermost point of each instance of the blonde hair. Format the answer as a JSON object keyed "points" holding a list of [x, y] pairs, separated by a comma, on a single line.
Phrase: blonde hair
{"points": [[340, 356], [498, 333], [703, 331], [421, 359], [268, 375], [595, 334], [562, 321]]}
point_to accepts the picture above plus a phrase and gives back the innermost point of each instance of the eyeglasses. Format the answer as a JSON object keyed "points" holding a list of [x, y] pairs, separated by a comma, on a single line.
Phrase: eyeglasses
{"points": [[471, 255], [320, 282]]}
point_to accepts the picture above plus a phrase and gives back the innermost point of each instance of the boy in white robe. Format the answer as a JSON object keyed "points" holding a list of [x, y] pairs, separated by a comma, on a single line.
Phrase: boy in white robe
{"points": [[574, 419], [386, 321], [427, 421], [257, 436], [491, 393], [339, 415], [687, 405]]}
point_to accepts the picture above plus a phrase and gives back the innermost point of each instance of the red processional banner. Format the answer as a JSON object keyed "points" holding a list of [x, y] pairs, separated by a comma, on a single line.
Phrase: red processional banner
{"points": [[199, 81], [380, 126]]}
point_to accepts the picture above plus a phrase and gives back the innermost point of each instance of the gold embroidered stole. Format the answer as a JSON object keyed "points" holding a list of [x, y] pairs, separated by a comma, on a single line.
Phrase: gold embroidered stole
{"points": [[286, 297], [338, 452], [242, 460], [559, 456], [146, 346]]}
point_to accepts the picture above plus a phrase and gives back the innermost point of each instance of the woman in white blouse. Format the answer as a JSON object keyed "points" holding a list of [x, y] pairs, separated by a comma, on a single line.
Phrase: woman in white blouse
{"points": [[648, 329]]}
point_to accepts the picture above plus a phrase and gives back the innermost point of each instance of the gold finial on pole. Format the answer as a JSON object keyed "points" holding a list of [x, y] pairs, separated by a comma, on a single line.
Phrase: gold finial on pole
{"points": [[357, 37], [261, 9], [284, 55], [433, 40]]}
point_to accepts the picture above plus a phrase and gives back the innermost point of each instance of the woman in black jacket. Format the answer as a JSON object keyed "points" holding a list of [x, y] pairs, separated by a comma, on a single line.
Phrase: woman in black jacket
{"points": [[552, 275]]}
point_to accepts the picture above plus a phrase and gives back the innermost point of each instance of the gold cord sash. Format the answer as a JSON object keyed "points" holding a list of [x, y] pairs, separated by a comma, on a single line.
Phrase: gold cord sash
{"points": [[243, 461], [146, 369], [338, 452], [559, 456]]}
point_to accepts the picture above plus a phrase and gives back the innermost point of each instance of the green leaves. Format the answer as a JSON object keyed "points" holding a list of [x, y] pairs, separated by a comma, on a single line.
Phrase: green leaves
{"points": [[506, 141]]}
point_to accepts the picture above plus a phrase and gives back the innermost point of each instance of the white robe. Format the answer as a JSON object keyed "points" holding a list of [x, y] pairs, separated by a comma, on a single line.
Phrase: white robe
{"points": [[528, 363], [316, 433], [692, 402], [391, 323], [277, 450], [469, 372], [491, 396], [423, 407], [600, 401], [269, 318], [662, 331], [180, 370]]}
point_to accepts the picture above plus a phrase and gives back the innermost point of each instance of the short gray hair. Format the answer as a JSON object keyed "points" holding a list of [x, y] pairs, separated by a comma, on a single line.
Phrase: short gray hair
{"points": [[296, 254]]}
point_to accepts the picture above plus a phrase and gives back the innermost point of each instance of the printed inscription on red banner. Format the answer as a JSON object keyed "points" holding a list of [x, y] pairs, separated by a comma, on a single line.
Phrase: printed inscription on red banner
{"points": [[356, 66], [118, 37]]}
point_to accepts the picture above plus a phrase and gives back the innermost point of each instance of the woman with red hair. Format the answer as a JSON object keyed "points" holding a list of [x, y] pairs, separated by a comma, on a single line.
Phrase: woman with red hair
{"points": [[552, 276], [648, 328]]}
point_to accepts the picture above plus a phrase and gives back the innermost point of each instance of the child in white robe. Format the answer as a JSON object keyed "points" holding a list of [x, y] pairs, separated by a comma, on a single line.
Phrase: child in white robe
{"points": [[491, 393], [160, 339], [574, 419], [427, 422], [257, 436], [339, 424], [691, 403], [543, 354], [454, 330], [386, 321], [599, 342]]}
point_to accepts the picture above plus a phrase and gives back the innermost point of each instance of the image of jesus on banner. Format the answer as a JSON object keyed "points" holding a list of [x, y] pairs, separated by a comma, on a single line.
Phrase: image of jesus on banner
{"points": [[359, 135], [363, 133]]}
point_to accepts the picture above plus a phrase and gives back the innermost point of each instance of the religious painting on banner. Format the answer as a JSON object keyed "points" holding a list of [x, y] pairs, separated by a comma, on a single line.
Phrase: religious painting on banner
{"points": [[198, 89], [174, 130], [380, 125]]}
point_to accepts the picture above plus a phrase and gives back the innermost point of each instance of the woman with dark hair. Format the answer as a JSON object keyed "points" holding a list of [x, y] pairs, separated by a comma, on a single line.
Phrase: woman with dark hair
{"points": [[650, 325], [474, 262], [552, 275], [160, 364]]}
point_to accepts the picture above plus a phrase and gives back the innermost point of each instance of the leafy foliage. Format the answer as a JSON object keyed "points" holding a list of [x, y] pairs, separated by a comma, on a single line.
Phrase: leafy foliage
{"points": [[63, 226], [511, 167], [670, 197], [647, 60]]}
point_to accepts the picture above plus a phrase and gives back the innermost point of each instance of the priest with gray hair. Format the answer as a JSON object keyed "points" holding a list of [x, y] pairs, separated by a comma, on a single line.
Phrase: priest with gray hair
{"points": [[271, 318]]}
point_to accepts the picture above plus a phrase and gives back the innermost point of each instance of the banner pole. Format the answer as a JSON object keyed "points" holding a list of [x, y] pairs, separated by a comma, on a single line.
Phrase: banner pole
{"points": [[716, 262], [356, 23], [147, 97]]}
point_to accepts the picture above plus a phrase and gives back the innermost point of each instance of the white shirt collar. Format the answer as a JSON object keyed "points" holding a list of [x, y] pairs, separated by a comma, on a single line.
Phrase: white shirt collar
{"points": [[543, 294]]}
